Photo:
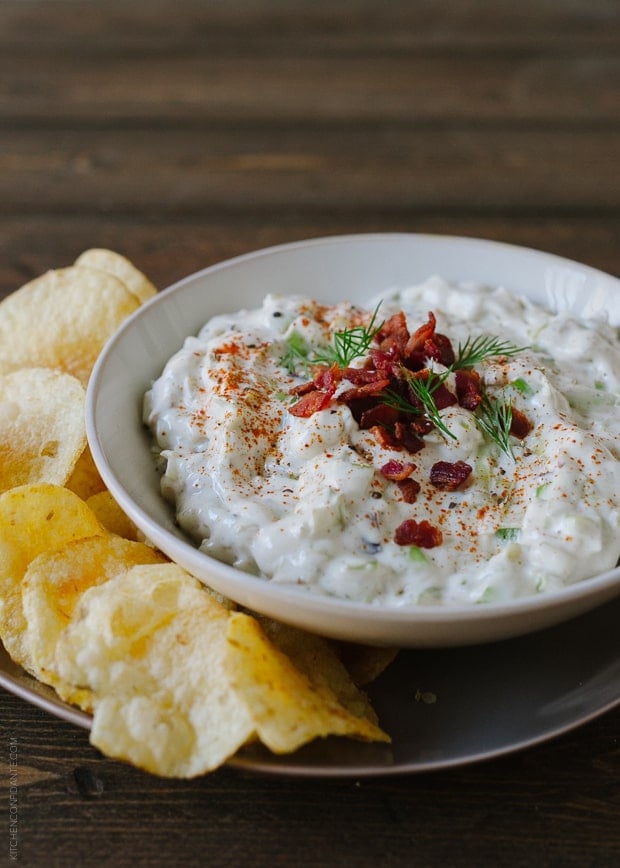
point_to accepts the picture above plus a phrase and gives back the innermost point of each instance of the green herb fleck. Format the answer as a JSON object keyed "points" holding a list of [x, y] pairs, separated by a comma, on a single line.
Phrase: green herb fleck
{"points": [[541, 488], [507, 533], [522, 386], [416, 554], [425, 696], [296, 355]]}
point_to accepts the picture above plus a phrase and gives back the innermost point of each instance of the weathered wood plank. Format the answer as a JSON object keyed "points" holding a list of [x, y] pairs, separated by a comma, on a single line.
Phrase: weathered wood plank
{"points": [[323, 26], [533, 87], [169, 250], [89, 810], [168, 171]]}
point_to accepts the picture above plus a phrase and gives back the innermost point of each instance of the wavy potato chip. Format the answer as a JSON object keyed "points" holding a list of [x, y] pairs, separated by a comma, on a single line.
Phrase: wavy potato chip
{"points": [[151, 645], [294, 704], [119, 266], [62, 320], [85, 480], [55, 581], [42, 429], [365, 663], [33, 519], [112, 516]]}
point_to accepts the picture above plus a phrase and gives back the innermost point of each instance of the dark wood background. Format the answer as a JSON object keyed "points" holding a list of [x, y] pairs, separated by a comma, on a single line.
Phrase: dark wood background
{"points": [[181, 132]]}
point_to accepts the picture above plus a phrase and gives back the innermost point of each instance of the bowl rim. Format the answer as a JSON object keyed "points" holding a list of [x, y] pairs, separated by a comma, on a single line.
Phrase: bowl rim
{"points": [[240, 584]]}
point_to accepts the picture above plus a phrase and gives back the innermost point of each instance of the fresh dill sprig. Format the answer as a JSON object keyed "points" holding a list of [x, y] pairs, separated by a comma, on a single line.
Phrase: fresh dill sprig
{"points": [[476, 350], [423, 390], [494, 418], [349, 344]]}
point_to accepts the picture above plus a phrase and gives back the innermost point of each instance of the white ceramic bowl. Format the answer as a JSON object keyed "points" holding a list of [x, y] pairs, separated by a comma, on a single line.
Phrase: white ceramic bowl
{"points": [[330, 269]]}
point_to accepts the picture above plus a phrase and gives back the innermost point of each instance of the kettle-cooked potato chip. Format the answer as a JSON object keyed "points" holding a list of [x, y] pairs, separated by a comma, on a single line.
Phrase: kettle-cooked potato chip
{"points": [[62, 320], [55, 581], [112, 516], [33, 519], [85, 480], [42, 430], [119, 266], [291, 705], [150, 644]]}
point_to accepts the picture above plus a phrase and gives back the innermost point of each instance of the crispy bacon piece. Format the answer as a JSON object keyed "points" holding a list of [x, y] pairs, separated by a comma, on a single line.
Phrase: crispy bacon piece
{"points": [[384, 438], [468, 389], [443, 397], [359, 376], [406, 436], [327, 379], [409, 489], [520, 425], [393, 333], [448, 475], [380, 414], [439, 348], [310, 403], [368, 390], [424, 333], [397, 470], [384, 362], [413, 533], [303, 388]]}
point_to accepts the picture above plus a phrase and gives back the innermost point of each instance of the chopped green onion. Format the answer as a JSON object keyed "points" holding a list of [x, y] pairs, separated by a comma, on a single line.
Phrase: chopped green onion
{"points": [[416, 554], [507, 533], [522, 386]]}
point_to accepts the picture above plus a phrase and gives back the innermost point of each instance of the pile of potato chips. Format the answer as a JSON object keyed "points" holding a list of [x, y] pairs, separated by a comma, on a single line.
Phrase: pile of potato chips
{"points": [[176, 679]]}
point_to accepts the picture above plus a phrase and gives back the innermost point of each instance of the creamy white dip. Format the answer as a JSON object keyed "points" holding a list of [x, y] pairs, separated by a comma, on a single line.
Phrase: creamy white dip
{"points": [[303, 501]]}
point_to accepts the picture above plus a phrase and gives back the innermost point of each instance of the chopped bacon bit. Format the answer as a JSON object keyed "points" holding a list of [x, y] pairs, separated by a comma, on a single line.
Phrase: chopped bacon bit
{"points": [[520, 425], [413, 533], [359, 376], [327, 379], [385, 362], [421, 335], [468, 389], [310, 403], [384, 438], [407, 437], [409, 489], [303, 388], [439, 348], [393, 333], [367, 390], [396, 470], [380, 414], [443, 397], [448, 475], [421, 426]]}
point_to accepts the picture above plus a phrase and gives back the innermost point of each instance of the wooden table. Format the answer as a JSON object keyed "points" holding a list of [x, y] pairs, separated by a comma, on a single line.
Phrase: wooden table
{"points": [[180, 133]]}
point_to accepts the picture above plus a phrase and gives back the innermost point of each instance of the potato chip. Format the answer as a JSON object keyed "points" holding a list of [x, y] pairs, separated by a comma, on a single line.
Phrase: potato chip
{"points": [[42, 430], [151, 644], [114, 263], [112, 516], [55, 581], [33, 519], [294, 704], [365, 663], [62, 320], [85, 480]]}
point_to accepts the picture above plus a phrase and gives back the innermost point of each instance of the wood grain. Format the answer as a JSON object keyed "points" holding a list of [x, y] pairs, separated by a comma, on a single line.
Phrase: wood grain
{"points": [[184, 132]]}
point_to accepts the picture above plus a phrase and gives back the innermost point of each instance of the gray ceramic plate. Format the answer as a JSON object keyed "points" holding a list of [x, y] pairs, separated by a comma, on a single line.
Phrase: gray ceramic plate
{"points": [[445, 708]]}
